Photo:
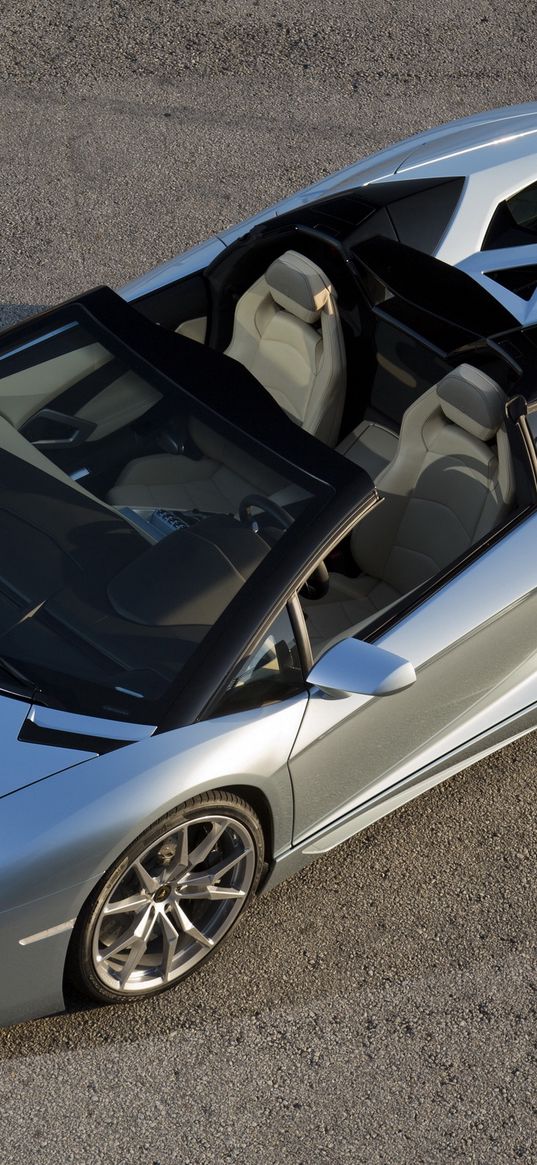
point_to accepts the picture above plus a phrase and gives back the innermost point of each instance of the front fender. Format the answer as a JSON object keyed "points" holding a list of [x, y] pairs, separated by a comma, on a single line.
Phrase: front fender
{"points": [[69, 828]]}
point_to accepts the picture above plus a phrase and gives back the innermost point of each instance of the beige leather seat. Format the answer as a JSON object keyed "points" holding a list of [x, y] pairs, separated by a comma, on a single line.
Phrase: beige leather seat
{"points": [[287, 333], [450, 483], [216, 483]]}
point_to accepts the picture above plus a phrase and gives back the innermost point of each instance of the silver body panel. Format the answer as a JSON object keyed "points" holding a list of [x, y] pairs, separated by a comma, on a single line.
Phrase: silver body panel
{"points": [[480, 266], [475, 663], [476, 687], [58, 836], [24, 763], [31, 975], [495, 151], [407, 790], [72, 723]]}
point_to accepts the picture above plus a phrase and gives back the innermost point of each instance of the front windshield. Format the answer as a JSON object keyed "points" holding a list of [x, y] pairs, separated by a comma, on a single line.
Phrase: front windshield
{"points": [[114, 567]]}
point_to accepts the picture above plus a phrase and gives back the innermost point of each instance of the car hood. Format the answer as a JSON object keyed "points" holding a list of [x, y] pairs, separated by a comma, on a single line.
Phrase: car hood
{"points": [[23, 763]]}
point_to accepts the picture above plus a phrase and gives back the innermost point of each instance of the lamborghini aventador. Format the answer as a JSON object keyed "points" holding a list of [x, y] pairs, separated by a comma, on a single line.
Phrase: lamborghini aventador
{"points": [[269, 557]]}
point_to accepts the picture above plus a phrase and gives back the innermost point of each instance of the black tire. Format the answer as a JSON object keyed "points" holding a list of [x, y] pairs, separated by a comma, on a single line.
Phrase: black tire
{"points": [[92, 972]]}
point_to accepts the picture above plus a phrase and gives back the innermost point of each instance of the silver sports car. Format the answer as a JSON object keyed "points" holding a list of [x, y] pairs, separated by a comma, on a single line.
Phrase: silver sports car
{"points": [[465, 192], [268, 572]]}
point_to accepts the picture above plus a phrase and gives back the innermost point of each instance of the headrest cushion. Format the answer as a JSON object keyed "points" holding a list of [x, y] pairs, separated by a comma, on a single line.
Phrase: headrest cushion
{"points": [[298, 285], [473, 401]]}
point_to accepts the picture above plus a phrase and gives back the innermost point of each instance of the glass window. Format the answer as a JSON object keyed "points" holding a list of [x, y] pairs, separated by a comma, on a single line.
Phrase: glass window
{"points": [[271, 672], [101, 608], [520, 280], [514, 222], [523, 207]]}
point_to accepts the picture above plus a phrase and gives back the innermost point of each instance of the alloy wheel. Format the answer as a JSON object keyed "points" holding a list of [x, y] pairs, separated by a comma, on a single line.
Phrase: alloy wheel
{"points": [[173, 903]]}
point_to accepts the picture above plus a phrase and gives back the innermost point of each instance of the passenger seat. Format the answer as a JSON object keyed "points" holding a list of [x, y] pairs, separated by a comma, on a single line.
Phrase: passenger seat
{"points": [[450, 484]]}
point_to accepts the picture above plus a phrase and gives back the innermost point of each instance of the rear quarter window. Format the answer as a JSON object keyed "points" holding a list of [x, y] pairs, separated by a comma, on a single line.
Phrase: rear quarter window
{"points": [[514, 222]]}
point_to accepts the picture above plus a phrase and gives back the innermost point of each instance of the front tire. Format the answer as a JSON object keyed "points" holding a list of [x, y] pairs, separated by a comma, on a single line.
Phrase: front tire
{"points": [[169, 900]]}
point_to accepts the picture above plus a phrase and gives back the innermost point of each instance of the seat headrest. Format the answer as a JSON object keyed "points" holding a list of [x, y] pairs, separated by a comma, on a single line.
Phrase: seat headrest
{"points": [[298, 285], [473, 401]]}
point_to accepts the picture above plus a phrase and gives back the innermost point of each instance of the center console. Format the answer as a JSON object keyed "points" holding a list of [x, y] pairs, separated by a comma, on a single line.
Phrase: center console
{"points": [[158, 523]]}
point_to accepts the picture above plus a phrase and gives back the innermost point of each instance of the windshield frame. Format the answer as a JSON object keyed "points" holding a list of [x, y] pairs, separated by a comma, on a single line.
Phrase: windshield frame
{"points": [[219, 387]]}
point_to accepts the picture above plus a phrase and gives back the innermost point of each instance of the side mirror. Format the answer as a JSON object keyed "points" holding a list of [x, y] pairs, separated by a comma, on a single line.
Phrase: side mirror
{"points": [[352, 666]]}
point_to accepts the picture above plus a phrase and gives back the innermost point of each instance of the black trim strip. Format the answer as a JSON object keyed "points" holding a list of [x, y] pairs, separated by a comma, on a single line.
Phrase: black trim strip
{"points": [[32, 733], [275, 585], [435, 287], [298, 623], [416, 598]]}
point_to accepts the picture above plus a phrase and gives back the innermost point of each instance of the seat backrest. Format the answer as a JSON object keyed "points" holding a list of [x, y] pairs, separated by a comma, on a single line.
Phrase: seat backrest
{"points": [[450, 483], [287, 333]]}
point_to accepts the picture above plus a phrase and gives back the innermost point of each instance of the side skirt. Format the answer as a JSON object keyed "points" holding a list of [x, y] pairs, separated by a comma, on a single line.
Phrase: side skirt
{"points": [[296, 858]]}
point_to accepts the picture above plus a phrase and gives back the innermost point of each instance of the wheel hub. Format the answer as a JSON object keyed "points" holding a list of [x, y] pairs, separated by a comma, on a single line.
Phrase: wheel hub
{"points": [[162, 893]]}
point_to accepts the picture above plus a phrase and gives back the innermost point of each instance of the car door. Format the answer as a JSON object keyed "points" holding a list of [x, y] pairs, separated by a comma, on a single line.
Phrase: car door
{"points": [[473, 645]]}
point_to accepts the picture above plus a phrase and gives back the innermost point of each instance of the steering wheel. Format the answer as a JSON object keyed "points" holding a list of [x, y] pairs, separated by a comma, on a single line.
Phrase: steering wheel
{"points": [[316, 586], [259, 502]]}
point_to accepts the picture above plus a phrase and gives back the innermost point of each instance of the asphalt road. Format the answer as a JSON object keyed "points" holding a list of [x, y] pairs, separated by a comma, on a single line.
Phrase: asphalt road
{"points": [[380, 1007]]}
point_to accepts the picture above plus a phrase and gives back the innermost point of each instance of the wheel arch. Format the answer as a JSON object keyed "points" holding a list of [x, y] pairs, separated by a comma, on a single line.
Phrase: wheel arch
{"points": [[240, 807], [262, 807]]}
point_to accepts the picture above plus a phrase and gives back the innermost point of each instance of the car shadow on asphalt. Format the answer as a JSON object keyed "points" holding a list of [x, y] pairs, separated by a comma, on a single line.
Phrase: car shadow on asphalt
{"points": [[429, 904]]}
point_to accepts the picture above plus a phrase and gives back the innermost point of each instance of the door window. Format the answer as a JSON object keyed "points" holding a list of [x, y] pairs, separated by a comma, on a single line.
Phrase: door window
{"points": [[270, 672]]}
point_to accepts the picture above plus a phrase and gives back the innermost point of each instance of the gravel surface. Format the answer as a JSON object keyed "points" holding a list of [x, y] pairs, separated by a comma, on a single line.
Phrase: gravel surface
{"points": [[379, 1007]]}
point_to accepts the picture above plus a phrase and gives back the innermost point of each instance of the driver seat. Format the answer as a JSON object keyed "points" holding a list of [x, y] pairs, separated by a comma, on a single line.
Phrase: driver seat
{"points": [[450, 483], [288, 335]]}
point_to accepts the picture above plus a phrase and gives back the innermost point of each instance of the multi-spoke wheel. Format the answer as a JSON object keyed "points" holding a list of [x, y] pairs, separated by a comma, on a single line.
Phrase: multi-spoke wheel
{"points": [[169, 900]]}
